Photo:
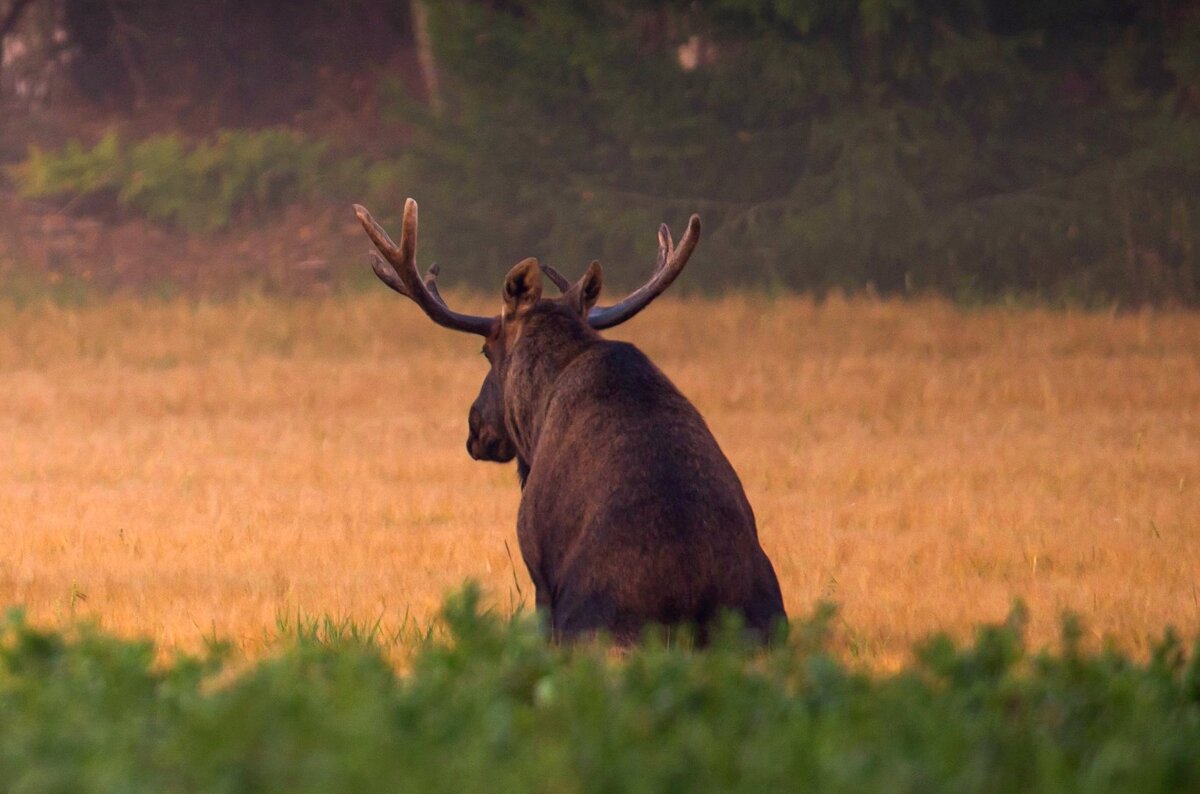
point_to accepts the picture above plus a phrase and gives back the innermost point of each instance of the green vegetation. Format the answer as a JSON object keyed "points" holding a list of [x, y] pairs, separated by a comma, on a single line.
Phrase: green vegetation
{"points": [[201, 186], [978, 148], [975, 147], [488, 706]]}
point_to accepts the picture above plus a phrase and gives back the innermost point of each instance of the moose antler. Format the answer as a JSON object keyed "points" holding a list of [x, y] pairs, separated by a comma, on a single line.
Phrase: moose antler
{"points": [[669, 265], [559, 279], [399, 272]]}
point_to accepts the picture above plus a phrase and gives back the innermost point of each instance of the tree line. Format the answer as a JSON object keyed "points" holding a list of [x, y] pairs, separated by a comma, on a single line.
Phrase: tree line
{"points": [[975, 147]]}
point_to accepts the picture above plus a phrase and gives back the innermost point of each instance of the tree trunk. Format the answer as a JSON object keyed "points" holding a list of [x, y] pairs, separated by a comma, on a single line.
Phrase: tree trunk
{"points": [[425, 57], [7, 24]]}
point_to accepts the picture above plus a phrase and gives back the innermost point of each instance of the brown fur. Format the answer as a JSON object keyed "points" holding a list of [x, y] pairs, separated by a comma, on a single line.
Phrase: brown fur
{"points": [[630, 513]]}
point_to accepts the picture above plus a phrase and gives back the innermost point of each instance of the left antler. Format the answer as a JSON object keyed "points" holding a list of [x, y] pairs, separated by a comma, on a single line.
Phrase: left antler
{"points": [[400, 272]]}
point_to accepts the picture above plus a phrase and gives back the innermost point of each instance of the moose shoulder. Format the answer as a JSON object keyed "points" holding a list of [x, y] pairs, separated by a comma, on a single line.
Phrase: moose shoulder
{"points": [[630, 513]]}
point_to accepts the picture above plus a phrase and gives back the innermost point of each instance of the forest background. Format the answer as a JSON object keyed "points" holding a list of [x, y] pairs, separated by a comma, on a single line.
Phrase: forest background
{"points": [[975, 148]]}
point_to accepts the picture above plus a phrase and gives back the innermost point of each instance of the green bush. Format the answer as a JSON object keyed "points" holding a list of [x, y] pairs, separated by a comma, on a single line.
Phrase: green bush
{"points": [[487, 705], [972, 147], [73, 170], [202, 186]]}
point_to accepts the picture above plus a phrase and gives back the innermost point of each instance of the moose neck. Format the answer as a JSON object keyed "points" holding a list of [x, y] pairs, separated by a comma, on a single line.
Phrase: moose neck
{"points": [[553, 337]]}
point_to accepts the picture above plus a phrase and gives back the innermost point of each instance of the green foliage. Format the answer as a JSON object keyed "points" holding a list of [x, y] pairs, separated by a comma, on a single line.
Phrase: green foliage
{"points": [[73, 170], [977, 148], [202, 186], [980, 148], [488, 705]]}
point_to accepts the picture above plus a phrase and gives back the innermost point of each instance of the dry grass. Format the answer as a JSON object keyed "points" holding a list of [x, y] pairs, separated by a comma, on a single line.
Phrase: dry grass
{"points": [[180, 469]]}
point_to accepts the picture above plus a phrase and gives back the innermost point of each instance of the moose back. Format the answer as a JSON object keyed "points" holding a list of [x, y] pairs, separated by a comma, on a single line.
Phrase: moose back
{"points": [[630, 513]]}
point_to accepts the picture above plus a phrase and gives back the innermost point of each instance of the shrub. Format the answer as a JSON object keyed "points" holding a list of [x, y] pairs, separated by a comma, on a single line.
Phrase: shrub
{"points": [[202, 186], [487, 705]]}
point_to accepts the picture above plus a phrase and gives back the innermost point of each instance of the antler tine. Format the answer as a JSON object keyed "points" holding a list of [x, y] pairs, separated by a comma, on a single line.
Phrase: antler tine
{"points": [[398, 269], [559, 280], [665, 246], [671, 260], [431, 282], [388, 275]]}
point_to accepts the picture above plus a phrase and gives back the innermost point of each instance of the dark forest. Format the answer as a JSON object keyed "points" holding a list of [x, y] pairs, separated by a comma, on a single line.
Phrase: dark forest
{"points": [[974, 148]]}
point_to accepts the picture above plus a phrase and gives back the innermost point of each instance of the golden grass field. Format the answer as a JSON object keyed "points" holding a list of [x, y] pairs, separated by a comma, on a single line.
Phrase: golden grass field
{"points": [[182, 469]]}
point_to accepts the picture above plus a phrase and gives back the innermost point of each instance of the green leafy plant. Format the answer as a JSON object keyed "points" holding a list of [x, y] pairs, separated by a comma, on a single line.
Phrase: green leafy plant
{"points": [[200, 186], [486, 704]]}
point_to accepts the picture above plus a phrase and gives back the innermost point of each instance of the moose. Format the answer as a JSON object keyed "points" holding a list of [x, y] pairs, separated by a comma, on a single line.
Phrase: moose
{"points": [[630, 513]]}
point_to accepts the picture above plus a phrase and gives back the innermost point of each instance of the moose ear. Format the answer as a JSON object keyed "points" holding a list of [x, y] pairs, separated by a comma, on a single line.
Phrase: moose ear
{"points": [[586, 291], [522, 287]]}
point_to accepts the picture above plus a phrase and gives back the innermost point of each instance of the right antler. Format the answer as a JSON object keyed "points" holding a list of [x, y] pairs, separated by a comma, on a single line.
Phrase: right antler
{"points": [[670, 264], [400, 272]]}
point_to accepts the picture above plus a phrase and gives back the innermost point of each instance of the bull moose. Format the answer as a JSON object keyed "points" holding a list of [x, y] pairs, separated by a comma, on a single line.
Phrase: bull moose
{"points": [[630, 513]]}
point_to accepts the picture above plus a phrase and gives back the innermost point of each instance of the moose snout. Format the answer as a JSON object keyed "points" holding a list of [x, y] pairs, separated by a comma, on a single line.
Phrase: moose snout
{"points": [[484, 442], [486, 446], [475, 447]]}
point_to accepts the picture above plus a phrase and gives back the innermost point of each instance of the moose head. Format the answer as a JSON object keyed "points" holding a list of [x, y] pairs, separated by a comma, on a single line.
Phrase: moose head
{"points": [[561, 323]]}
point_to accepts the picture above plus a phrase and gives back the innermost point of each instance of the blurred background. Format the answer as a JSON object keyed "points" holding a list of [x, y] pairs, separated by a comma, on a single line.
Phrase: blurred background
{"points": [[1041, 150]]}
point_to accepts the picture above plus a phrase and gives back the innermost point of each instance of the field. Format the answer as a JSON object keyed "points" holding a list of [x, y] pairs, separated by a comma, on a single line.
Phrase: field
{"points": [[182, 469]]}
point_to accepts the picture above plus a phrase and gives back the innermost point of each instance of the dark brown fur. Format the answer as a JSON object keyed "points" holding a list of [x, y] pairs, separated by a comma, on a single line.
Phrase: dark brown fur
{"points": [[630, 515]]}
